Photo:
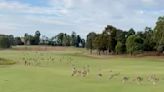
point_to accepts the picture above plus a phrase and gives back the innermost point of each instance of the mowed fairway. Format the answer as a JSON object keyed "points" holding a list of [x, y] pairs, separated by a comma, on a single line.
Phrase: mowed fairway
{"points": [[50, 71]]}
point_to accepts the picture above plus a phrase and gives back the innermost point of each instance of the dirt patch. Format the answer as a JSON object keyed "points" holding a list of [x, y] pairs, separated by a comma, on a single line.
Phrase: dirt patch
{"points": [[143, 55], [6, 62]]}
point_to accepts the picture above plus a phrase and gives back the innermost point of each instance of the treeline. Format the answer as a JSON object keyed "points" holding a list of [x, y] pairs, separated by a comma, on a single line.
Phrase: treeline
{"points": [[111, 40], [116, 41], [61, 39], [6, 41]]}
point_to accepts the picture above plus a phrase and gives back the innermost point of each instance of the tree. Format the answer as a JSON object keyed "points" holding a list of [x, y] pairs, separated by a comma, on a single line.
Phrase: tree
{"points": [[37, 37], [44, 40], [18, 41], [73, 39], [97, 43], [63, 39], [159, 32], [141, 34], [59, 38], [112, 41], [31, 40], [100, 43], [66, 40], [121, 36], [4, 41], [83, 43], [160, 47], [11, 39], [131, 32], [26, 39], [90, 41], [119, 48], [78, 40], [149, 42], [134, 43], [121, 41]]}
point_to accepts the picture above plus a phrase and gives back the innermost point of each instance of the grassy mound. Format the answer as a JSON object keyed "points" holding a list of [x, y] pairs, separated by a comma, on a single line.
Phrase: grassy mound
{"points": [[6, 62]]}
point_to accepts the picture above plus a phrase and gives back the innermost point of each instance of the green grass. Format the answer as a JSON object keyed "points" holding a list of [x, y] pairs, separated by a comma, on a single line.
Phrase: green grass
{"points": [[47, 75]]}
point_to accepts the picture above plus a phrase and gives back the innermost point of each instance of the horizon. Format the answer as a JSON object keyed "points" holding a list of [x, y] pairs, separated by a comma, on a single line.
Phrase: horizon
{"points": [[51, 17]]}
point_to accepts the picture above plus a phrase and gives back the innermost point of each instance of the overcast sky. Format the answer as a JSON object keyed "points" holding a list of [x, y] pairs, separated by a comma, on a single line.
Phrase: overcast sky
{"points": [[82, 16]]}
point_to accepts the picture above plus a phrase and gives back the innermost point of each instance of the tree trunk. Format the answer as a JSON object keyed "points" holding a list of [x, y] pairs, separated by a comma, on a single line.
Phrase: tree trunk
{"points": [[99, 52], [131, 53], [90, 51]]}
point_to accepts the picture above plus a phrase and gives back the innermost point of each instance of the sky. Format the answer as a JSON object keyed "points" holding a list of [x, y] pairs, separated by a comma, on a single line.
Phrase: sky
{"points": [[51, 17]]}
